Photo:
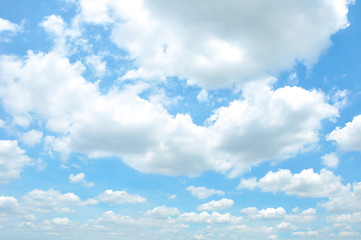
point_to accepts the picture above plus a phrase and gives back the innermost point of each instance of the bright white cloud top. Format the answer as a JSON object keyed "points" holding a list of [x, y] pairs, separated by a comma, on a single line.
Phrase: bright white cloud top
{"points": [[180, 119]]}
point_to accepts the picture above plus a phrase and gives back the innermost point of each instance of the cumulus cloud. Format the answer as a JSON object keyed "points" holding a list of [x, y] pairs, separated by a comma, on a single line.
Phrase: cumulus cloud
{"points": [[32, 137], [12, 160], [97, 65], [306, 184], [269, 213], [52, 200], [61, 221], [346, 201], [203, 192], [205, 217], [348, 138], [330, 160], [223, 47], [286, 226], [213, 205], [6, 25], [162, 212], [80, 178], [110, 217], [120, 197], [144, 134], [8, 204]]}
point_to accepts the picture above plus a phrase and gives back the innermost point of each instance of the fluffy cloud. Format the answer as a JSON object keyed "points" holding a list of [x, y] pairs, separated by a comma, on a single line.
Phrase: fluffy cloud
{"points": [[203, 192], [12, 160], [6, 25], [205, 217], [119, 123], [307, 183], [286, 226], [52, 200], [110, 217], [162, 212], [348, 138], [269, 213], [8, 204], [345, 201], [80, 178], [213, 205], [32, 137], [61, 221], [330, 160], [119, 197], [218, 44]]}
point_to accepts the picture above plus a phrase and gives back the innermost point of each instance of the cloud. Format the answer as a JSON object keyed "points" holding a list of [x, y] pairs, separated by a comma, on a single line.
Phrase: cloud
{"points": [[144, 134], [8, 204], [110, 217], [52, 200], [343, 218], [202, 96], [348, 138], [286, 226], [203, 192], [6, 25], [215, 49], [80, 178], [120, 197], [269, 213], [162, 212], [306, 184], [12, 160], [61, 221], [330, 160], [205, 217], [96, 64], [32, 137], [213, 205], [346, 201], [306, 234]]}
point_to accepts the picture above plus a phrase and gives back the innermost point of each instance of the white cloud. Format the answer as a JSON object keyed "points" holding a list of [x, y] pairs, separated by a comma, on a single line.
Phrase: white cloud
{"points": [[203, 192], [61, 221], [80, 178], [162, 212], [345, 218], [8, 204], [119, 197], [52, 200], [306, 234], [306, 184], [217, 44], [213, 205], [6, 25], [205, 217], [345, 201], [268, 213], [202, 96], [348, 138], [330, 160], [32, 137], [98, 66], [110, 217], [282, 122], [12, 160], [286, 226]]}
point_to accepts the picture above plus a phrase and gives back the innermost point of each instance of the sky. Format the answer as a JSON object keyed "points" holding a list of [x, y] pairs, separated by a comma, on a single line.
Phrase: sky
{"points": [[199, 120]]}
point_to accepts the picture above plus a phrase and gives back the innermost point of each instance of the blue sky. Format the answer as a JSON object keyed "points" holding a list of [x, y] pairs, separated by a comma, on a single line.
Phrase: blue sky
{"points": [[180, 120]]}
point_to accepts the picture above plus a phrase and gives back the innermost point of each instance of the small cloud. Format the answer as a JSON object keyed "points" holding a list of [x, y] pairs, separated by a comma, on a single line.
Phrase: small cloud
{"points": [[203, 192], [330, 160], [32, 137], [202, 96], [80, 178]]}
